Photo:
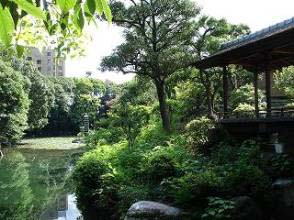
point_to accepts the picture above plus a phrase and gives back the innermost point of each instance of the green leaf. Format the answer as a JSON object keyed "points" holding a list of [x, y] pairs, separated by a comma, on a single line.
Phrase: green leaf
{"points": [[81, 20], [90, 6], [66, 5], [99, 7], [106, 10], [30, 9], [6, 26]]}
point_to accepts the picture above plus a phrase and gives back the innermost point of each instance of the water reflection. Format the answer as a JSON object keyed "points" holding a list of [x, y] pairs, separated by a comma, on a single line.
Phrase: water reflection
{"points": [[34, 185], [64, 209]]}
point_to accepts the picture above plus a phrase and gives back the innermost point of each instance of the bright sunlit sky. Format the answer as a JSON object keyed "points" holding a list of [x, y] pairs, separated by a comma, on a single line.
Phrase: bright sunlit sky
{"points": [[257, 14]]}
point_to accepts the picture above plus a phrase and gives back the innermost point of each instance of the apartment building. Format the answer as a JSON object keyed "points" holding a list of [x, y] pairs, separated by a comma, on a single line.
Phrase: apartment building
{"points": [[46, 61]]}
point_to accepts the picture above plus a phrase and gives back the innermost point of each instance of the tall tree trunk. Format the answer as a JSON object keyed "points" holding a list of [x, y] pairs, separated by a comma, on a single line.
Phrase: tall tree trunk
{"points": [[164, 110]]}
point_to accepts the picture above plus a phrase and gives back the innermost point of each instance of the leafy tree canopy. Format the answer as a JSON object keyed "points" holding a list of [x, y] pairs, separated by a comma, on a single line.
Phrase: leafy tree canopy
{"points": [[163, 37], [157, 33], [14, 103], [41, 95]]}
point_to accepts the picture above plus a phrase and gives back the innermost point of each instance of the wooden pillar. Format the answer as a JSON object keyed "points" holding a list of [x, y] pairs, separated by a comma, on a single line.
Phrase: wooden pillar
{"points": [[255, 84], [226, 90], [268, 90]]}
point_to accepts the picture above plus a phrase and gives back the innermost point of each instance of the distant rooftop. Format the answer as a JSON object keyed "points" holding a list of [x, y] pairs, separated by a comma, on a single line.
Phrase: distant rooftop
{"points": [[284, 25]]}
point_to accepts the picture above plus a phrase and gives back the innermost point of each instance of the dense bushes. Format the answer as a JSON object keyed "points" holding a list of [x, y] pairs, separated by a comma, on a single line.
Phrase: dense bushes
{"points": [[161, 167], [192, 189]]}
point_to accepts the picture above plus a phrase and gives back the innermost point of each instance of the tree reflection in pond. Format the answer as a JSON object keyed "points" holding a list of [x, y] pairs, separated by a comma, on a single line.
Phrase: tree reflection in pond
{"points": [[16, 194], [31, 182]]}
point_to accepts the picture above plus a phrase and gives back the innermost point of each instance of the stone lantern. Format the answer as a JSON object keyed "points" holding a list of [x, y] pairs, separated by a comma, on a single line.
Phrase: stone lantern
{"points": [[86, 123]]}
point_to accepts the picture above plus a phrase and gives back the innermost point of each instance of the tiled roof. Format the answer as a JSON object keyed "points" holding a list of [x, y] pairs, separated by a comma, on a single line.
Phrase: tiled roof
{"points": [[285, 25]]}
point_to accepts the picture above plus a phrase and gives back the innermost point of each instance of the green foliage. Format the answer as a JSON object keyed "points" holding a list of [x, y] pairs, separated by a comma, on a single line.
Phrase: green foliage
{"points": [[30, 8], [248, 180], [192, 189], [86, 100], [130, 119], [218, 208], [244, 95], [100, 137], [245, 109], [284, 81], [189, 93], [157, 166], [41, 97], [197, 132], [14, 104], [140, 169], [65, 18], [158, 38], [160, 167], [95, 184], [7, 27], [59, 120]]}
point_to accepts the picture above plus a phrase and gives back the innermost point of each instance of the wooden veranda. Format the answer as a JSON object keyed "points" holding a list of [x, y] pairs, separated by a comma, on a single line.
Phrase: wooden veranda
{"points": [[261, 52]]}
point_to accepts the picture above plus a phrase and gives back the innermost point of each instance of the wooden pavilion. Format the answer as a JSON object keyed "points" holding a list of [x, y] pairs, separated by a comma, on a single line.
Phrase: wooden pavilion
{"points": [[262, 52]]}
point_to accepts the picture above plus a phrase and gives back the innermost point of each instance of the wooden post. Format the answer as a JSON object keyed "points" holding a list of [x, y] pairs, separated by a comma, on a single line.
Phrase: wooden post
{"points": [[268, 90], [226, 90], [255, 84]]}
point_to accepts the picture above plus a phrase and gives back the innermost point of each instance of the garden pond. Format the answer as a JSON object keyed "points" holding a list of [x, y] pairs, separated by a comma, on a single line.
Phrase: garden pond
{"points": [[35, 184]]}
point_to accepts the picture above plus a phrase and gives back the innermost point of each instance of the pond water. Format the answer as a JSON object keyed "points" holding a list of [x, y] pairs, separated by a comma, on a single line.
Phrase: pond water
{"points": [[35, 185]]}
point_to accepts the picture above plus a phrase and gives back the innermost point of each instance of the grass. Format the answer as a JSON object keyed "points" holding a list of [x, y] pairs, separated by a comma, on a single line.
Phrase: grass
{"points": [[50, 143]]}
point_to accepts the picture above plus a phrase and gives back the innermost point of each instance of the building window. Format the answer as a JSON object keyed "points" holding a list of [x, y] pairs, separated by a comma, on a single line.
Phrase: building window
{"points": [[49, 54], [39, 68], [29, 58], [39, 61]]}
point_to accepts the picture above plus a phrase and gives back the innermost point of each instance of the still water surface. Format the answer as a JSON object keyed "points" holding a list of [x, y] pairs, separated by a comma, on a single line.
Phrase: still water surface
{"points": [[35, 185]]}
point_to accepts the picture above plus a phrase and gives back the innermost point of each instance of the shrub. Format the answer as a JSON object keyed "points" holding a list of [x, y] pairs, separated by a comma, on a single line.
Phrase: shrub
{"points": [[228, 154], [99, 137], [157, 166], [192, 189], [95, 185], [244, 109], [242, 179], [197, 133], [153, 135]]}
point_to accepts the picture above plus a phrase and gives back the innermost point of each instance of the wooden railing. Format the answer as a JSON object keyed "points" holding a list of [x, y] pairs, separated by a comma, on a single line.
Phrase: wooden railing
{"points": [[275, 113]]}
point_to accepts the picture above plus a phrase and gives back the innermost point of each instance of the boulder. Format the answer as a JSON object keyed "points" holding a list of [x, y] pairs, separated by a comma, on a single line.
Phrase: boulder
{"points": [[245, 209], [147, 210], [284, 199]]}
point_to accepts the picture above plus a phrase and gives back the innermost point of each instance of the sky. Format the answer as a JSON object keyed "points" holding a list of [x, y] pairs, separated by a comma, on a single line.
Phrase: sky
{"points": [[257, 14]]}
